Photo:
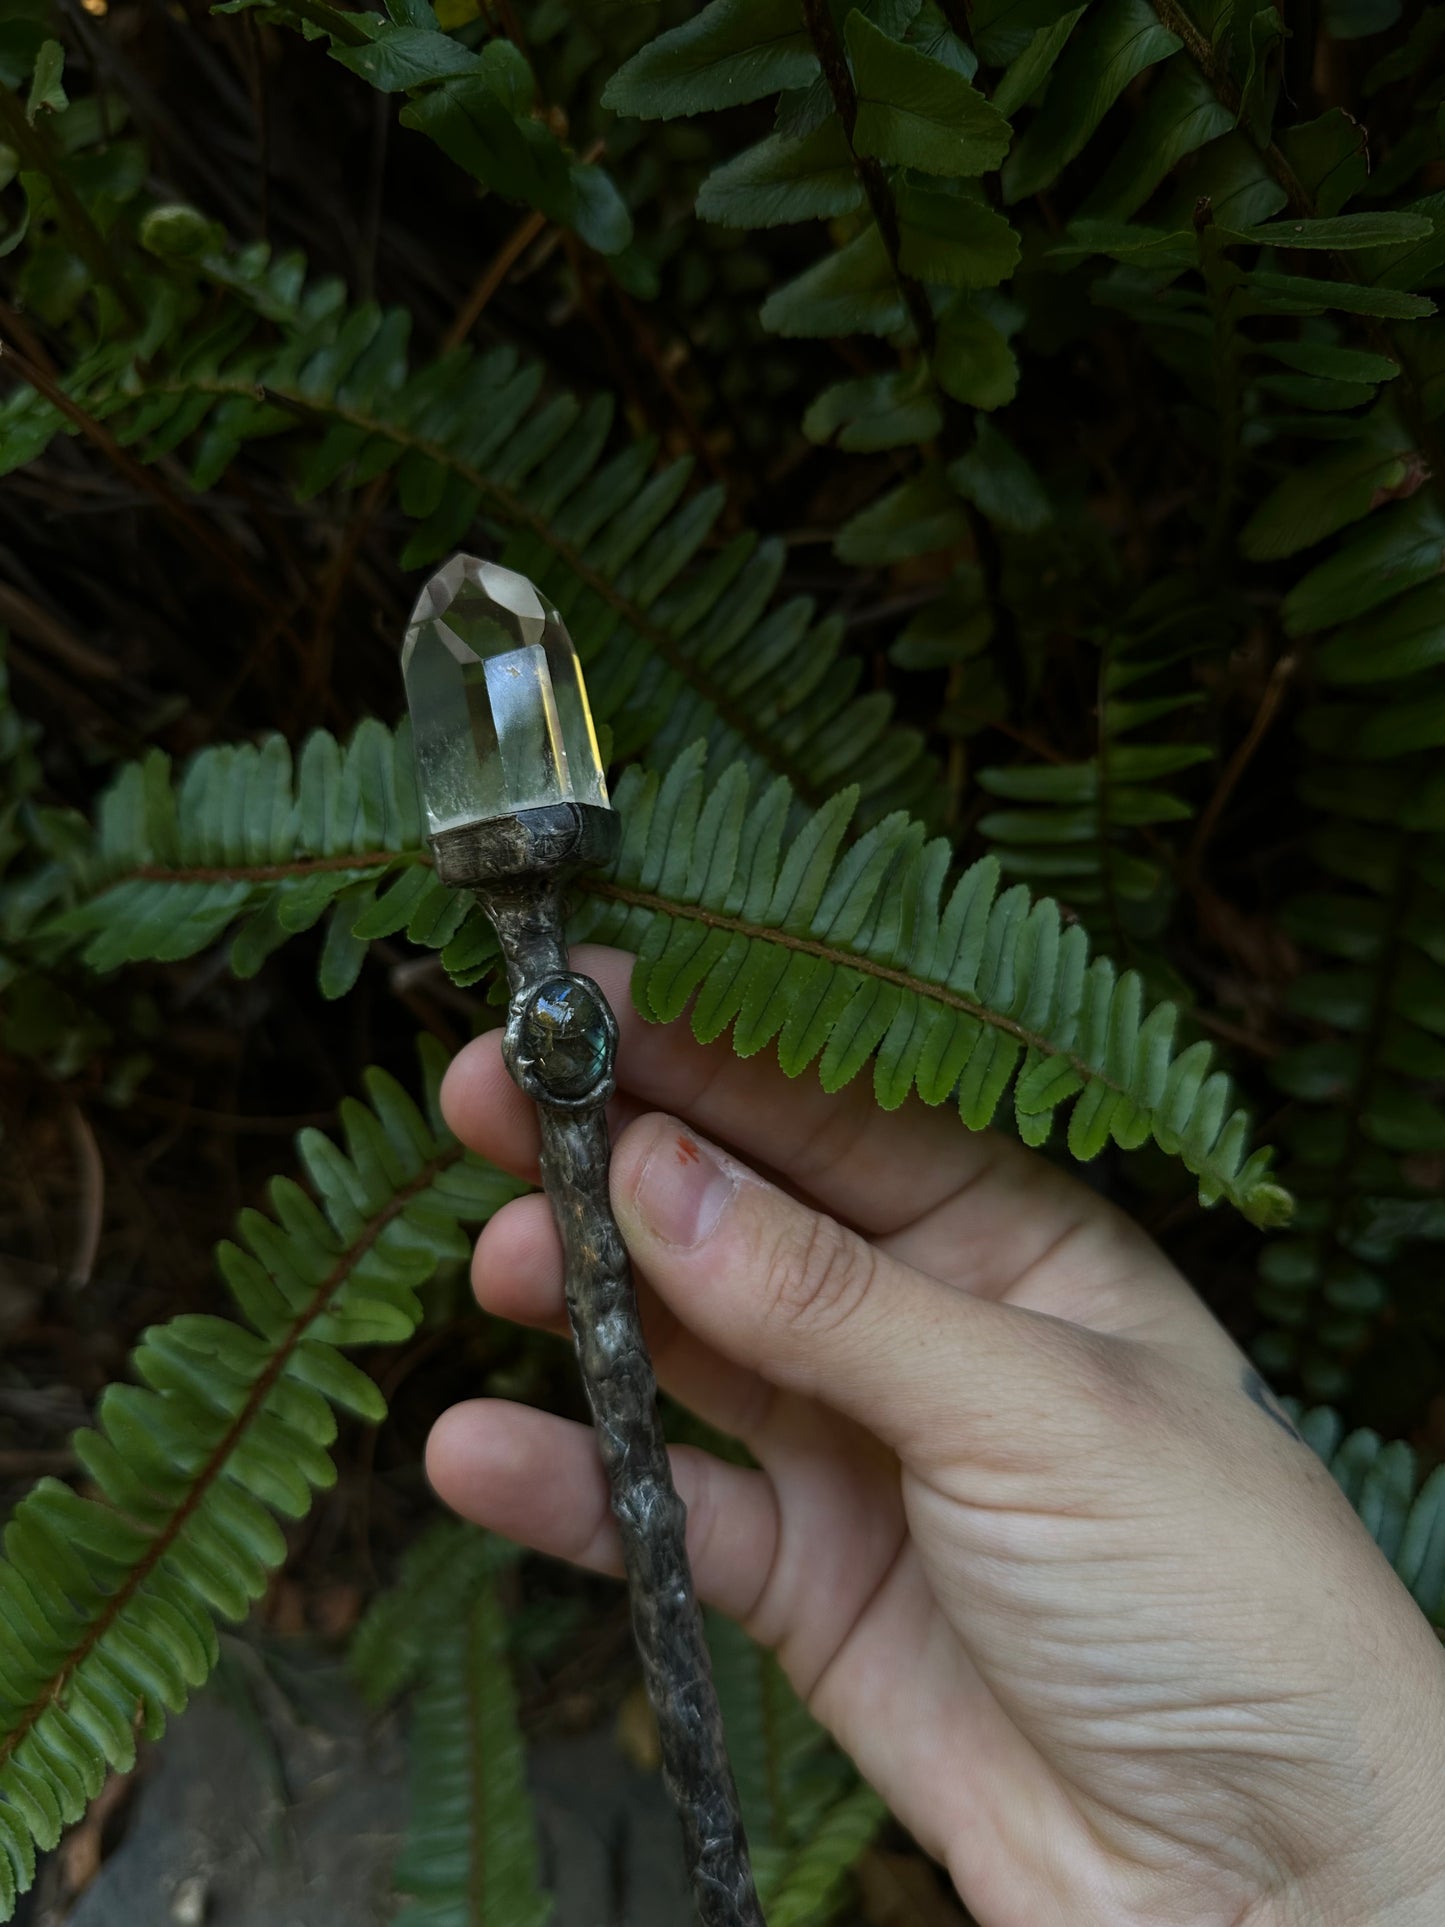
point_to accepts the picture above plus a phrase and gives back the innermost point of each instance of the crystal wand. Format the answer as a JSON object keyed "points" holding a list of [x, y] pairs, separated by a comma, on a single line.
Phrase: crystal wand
{"points": [[515, 799]]}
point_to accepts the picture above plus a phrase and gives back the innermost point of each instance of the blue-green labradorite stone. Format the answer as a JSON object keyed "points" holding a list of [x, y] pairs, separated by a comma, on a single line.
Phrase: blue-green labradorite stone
{"points": [[564, 1034]]}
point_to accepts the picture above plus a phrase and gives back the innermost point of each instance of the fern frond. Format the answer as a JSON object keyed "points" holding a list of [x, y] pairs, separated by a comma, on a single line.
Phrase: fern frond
{"points": [[110, 1602], [861, 958], [1365, 508], [1367, 1076], [878, 122], [438, 1574], [674, 647], [845, 958], [1091, 832], [808, 1815], [243, 837], [1405, 1515], [470, 1857]]}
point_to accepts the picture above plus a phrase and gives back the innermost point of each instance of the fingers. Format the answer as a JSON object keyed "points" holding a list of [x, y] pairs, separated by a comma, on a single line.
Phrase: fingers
{"points": [[789, 1293], [971, 1210], [537, 1479], [517, 1273], [878, 1169]]}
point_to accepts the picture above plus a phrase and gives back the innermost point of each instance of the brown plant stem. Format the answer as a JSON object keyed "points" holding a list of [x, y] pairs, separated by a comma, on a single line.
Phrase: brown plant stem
{"points": [[958, 432], [240, 570], [1239, 762]]}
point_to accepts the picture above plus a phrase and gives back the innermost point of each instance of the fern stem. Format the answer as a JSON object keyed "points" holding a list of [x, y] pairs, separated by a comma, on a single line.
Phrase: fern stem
{"points": [[475, 1667], [958, 430], [497, 270], [214, 1465], [824, 33], [1264, 715], [240, 571], [851, 960], [663, 906], [37, 152]]}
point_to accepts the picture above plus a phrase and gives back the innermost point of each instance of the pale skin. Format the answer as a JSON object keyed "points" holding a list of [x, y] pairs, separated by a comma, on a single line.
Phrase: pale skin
{"points": [[1027, 1533]]}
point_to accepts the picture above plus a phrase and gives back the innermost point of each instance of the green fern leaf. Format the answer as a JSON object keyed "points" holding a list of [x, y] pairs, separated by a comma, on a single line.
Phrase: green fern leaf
{"points": [[918, 112], [1404, 1515], [808, 1816], [783, 180], [110, 1601], [731, 52], [1089, 830], [1119, 41], [470, 1856], [671, 649], [829, 957], [470, 1859], [874, 954]]}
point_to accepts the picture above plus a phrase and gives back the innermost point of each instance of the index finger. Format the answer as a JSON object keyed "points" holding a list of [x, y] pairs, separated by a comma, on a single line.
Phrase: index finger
{"points": [[877, 1170]]}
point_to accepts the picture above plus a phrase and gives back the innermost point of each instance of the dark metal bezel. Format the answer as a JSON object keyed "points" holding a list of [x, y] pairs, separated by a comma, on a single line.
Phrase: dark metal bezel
{"points": [[524, 1070], [538, 842]]}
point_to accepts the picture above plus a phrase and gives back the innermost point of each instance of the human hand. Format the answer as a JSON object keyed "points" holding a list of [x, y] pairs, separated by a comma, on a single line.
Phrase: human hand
{"points": [[1028, 1533]]}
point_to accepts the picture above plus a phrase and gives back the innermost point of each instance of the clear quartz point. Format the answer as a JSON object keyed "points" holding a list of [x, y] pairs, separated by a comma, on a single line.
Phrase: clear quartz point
{"points": [[499, 711]]}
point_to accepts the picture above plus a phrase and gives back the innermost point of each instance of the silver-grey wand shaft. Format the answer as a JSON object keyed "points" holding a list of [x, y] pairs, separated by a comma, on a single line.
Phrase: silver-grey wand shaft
{"points": [[559, 1045], [622, 1395]]}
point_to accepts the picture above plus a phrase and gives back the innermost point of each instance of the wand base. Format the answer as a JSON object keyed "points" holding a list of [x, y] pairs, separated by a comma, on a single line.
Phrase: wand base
{"points": [[538, 842]]}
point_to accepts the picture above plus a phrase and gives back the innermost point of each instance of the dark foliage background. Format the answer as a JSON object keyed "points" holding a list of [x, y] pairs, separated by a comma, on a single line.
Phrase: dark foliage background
{"points": [[142, 1109]]}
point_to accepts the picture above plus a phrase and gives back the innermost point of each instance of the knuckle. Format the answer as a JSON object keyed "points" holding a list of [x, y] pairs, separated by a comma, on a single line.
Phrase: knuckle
{"points": [[820, 1274]]}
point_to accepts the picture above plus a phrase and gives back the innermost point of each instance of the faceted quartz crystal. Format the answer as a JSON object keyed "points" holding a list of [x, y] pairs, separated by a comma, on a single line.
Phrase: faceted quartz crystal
{"points": [[498, 710]]}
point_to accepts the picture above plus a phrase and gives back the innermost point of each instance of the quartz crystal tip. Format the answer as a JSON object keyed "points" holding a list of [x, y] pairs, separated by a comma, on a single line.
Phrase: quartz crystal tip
{"points": [[499, 713]]}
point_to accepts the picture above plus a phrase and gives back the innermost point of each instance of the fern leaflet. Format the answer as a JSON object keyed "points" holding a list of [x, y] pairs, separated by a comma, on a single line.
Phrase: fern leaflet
{"points": [[1089, 831]]}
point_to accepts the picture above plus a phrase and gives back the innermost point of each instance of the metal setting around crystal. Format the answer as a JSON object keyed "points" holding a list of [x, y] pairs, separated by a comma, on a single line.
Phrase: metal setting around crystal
{"points": [[499, 713]]}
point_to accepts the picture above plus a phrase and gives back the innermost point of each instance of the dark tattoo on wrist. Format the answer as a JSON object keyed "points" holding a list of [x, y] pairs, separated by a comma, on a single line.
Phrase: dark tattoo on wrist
{"points": [[1255, 1388]]}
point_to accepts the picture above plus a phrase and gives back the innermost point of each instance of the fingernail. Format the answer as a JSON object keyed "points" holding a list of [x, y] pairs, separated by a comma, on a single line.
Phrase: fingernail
{"points": [[683, 1189]]}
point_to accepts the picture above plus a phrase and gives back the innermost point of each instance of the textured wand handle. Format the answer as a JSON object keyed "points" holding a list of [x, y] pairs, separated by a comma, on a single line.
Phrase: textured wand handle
{"points": [[560, 1043]]}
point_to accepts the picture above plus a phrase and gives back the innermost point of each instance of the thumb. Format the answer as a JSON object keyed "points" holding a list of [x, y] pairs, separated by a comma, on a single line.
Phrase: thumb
{"points": [[793, 1294]]}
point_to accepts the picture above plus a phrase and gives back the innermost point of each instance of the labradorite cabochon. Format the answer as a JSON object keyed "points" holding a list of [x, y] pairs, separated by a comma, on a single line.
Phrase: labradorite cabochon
{"points": [[565, 1037], [499, 713]]}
